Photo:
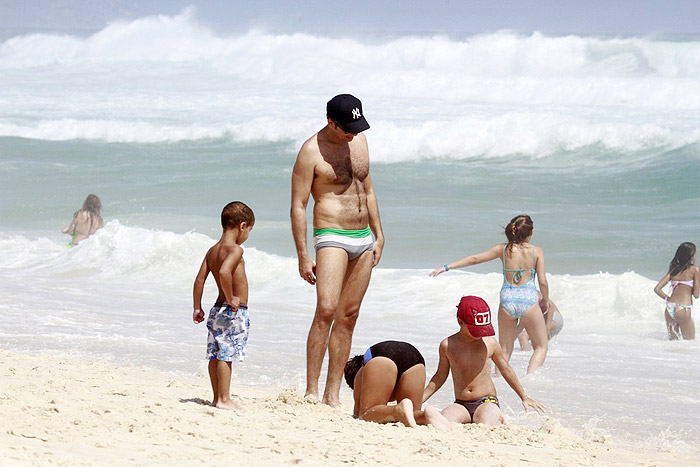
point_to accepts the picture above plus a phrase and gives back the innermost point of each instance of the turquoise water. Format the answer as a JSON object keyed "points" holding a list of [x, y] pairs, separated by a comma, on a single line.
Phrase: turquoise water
{"points": [[593, 211]]}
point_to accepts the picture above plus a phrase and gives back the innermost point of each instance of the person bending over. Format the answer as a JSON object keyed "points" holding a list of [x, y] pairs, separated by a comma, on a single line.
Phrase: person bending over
{"points": [[391, 371]]}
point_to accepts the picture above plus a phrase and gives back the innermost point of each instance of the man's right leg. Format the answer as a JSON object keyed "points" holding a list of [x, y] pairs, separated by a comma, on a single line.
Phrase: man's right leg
{"points": [[331, 264], [347, 310]]}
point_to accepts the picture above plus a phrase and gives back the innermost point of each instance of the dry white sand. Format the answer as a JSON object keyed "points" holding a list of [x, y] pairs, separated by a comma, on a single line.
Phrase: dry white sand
{"points": [[62, 412]]}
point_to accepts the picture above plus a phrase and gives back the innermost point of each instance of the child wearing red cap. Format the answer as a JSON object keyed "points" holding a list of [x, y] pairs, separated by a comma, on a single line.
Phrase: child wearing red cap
{"points": [[467, 354], [521, 303]]}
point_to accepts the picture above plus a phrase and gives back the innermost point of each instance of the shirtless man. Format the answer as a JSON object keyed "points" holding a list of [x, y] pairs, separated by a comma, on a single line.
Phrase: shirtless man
{"points": [[333, 167], [468, 353]]}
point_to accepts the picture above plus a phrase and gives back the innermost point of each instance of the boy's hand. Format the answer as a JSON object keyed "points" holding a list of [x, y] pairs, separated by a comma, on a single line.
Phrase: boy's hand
{"points": [[527, 402], [197, 316], [234, 303]]}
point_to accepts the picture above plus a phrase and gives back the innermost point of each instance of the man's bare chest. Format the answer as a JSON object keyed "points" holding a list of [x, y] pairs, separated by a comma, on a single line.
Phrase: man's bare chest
{"points": [[342, 169]]}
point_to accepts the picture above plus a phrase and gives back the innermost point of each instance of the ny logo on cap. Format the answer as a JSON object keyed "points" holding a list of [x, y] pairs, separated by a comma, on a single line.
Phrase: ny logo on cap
{"points": [[482, 319], [356, 113]]}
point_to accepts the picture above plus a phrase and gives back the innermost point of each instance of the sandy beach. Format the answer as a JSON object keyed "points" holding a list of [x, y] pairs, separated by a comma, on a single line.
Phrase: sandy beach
{"points": [[63, 412]]}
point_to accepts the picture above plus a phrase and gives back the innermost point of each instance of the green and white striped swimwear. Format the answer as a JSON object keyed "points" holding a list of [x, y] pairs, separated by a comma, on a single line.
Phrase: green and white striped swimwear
{"points": [[354, 242]]}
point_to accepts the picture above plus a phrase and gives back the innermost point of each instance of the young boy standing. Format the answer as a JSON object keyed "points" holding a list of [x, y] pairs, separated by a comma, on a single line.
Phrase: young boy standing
{"points": [[228, 320], [467, 354]]}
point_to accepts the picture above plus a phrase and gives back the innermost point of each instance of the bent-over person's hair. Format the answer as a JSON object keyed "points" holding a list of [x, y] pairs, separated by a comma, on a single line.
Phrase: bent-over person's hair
{"points": [[351, 368]]}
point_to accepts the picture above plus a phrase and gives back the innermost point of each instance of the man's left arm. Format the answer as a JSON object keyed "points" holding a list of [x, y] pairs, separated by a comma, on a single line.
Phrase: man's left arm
{"points": [[375, 222]]}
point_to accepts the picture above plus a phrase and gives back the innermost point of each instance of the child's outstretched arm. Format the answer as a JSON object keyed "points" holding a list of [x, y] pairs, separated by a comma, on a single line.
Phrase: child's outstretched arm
{"points": [[198, 290], [440, 376], [488, 255], [511, 378], [658, 290], [233, 258]]}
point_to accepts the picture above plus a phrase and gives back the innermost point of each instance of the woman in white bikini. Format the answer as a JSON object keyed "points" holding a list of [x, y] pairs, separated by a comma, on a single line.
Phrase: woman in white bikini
{"points": [[684, 278], [523, 265]]}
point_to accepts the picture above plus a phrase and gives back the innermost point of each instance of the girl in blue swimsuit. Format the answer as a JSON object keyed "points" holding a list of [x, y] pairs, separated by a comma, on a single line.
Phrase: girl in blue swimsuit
{"points": [[684, 279], [520, 300]]}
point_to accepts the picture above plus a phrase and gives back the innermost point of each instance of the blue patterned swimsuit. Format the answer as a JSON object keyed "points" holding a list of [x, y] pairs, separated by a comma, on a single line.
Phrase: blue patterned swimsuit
{"points": [[517, 299], [228, 332]]}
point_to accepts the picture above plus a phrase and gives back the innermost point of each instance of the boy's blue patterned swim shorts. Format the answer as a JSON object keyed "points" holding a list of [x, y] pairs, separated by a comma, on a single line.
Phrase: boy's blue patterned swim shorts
{"points": [[228, 332]]}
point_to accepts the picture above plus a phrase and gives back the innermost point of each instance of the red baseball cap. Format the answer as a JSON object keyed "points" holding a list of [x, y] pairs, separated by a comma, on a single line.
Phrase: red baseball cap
{"points": [[476, 314]]}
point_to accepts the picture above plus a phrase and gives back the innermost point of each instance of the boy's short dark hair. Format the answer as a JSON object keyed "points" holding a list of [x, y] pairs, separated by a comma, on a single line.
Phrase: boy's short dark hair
{"points": [[234, 213]]}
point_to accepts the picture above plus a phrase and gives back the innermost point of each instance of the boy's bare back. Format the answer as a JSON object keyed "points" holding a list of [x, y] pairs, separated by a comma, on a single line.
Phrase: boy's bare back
{"points": [[227, 258], [225, 261]]}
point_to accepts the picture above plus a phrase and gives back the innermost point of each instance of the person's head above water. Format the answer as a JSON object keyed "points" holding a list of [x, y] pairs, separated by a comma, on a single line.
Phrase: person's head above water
{"points": [[684, 258], [92, 204], [234, 213]]}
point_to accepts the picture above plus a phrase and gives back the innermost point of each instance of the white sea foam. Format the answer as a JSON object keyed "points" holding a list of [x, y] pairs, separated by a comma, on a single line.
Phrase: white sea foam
{"points": [[124, 254], [165, 79], [125, 295]]}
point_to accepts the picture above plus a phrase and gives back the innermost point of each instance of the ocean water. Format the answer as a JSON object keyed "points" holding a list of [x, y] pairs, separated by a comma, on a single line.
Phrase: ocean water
{"points": [[596, 138]]}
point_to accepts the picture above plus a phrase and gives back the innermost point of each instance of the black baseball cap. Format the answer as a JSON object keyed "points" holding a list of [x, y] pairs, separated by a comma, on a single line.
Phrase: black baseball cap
{"points": [[346, 111]]}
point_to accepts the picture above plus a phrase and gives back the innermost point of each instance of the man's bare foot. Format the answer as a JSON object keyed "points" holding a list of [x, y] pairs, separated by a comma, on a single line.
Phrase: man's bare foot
{"points": [[405, 413], [437, 419], [332, 402], [311, 391], [230, 405]]}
